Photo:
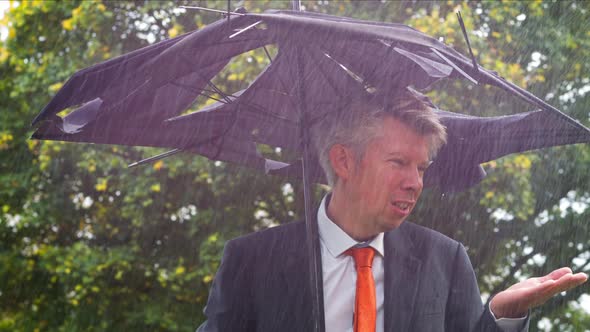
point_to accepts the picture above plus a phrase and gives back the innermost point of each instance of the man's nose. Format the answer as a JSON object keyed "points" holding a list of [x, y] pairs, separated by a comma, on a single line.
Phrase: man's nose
{"points": [[413, 180]]}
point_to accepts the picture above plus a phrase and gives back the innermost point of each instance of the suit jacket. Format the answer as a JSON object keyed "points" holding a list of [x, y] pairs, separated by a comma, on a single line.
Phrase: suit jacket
{"points": [[262, 284]]}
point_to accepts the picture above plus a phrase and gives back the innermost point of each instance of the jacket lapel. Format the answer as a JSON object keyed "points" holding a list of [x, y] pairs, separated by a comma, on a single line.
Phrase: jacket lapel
{"points": [[402, 276]]}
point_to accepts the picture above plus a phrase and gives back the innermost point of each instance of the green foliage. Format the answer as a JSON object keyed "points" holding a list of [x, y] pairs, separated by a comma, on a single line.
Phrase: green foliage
{"points": [[89, 245]]}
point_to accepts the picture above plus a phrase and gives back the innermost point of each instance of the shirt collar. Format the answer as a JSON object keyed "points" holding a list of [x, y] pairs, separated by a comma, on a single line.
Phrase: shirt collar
{"points": [[335, 239]]}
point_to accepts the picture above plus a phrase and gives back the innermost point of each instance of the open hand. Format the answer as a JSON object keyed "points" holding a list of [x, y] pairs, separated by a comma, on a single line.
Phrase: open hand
{"points": [[515, 301]]}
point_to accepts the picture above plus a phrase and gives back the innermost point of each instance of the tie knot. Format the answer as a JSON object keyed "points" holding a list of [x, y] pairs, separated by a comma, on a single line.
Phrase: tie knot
{"points": [[363, 257]]}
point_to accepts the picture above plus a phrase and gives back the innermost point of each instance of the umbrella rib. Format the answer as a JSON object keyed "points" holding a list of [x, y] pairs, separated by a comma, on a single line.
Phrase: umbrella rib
{"points": [[213, 98], [154, 158], [454, 66], [245, 29], [280, 78], [475, 67], [213, 10], [529, 97], [331, 83], [229, 95], [260, 110], [267, 53], [178, 150], [221, 93], [216, 89], [369, 77], [345, 99], [191, 89]]}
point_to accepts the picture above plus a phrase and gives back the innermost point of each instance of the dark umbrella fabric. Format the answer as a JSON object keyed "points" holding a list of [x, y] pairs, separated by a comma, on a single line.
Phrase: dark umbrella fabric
{"points": [[136, 99]]}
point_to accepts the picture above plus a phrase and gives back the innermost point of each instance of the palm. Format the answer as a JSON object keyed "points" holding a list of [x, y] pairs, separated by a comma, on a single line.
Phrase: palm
{"points": [[519, 298]]}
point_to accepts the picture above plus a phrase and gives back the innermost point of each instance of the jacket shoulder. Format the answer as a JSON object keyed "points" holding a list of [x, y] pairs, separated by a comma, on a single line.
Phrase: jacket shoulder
{"points": [[429, 240], [283, 231], [282, 238]]}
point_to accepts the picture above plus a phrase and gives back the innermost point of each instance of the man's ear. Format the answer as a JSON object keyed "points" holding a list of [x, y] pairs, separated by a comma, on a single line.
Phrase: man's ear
{"points": [[342, 160]]}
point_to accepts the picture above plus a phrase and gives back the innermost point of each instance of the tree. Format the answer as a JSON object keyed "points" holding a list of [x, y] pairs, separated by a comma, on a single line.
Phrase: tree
{"points": [[86, 244]]}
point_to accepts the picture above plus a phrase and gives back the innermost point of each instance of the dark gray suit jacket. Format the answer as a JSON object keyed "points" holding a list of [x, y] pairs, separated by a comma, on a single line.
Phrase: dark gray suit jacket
{"points": [[262, 284]]}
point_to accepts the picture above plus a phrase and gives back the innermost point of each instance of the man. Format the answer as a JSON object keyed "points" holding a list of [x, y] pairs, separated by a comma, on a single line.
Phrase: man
{"points": [[380, 273]]}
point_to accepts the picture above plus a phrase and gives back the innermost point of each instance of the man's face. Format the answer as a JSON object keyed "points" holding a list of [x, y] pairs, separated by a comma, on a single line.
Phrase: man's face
{"points": [[386, 183]]}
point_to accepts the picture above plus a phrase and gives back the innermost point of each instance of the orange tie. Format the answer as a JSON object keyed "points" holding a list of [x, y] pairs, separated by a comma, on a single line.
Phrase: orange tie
{"points": [[365, 312]]}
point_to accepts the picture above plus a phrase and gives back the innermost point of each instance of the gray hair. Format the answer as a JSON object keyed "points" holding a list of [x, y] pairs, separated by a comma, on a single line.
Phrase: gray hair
{"points": [[358, 123]]}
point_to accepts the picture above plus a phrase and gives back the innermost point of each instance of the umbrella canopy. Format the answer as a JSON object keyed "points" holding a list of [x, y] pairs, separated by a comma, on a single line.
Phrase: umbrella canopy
{"points": [[322, 63]]}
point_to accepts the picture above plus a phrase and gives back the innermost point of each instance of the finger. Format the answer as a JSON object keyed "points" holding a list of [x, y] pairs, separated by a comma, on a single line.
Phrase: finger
{"points": [[569, 281], [538, 293], [581, 276], [552, 287], [556, 274]]}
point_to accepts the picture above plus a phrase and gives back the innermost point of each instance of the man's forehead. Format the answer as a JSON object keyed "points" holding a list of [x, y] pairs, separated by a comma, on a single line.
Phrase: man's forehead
{"points": [[396, 129], [396, 138]]}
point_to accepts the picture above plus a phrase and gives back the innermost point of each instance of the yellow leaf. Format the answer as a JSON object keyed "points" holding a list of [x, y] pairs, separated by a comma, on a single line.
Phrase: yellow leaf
{"points": [[489, 194], [101, 185], [180, 270], [155, 187], [514, 69], [55, 87], [173, 32], [67, 24], [207, 279], [158, 165], [3, 54], [101, 7], [523, 162], [76, 11]]}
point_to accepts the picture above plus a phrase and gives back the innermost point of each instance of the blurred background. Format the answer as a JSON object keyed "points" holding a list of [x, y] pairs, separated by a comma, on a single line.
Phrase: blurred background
{"points": [[87, 244]]}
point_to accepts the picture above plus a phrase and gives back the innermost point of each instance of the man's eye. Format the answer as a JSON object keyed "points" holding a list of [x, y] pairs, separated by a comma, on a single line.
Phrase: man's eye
{"points": [[397, 162]]}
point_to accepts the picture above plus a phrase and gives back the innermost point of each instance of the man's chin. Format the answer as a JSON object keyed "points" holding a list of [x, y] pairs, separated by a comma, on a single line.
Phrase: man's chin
{"points": [[392, 224]]}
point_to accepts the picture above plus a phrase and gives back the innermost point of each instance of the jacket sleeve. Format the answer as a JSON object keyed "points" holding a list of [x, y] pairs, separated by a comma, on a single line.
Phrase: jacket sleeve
{"points": [[465, 311], [228, 307]]}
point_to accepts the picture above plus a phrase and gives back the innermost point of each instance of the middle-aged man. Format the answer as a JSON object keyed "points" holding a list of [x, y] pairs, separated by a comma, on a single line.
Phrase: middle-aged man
{"points": [[380, 272]]}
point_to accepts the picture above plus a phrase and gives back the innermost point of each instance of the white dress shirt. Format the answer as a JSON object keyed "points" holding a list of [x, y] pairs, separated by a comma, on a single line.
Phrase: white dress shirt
{"points": [[339, 276]]}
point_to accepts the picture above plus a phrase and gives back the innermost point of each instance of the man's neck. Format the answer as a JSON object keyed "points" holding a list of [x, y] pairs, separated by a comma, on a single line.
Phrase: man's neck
{"points": [[346, 216]]}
